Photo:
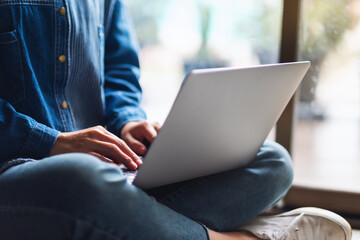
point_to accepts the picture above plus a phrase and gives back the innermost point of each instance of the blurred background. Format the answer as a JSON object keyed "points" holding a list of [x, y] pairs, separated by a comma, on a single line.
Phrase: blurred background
{"points": [[179, 35]]}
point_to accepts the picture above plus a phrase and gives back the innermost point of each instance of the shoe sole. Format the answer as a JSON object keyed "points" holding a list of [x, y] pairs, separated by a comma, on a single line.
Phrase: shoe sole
{"points": [[312, 211]]}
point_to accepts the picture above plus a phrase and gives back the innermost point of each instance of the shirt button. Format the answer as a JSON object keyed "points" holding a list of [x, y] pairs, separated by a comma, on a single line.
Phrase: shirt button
{"points": [[62, 58], [64, 105], [62, 11]]}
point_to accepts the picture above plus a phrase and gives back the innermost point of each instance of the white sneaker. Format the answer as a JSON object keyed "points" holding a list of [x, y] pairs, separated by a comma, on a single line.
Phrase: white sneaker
{"points": [[300, 224]]}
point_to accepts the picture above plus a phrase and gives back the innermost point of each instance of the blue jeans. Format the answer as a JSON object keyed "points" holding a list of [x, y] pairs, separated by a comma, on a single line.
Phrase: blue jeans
{"points": [[77, 196]]}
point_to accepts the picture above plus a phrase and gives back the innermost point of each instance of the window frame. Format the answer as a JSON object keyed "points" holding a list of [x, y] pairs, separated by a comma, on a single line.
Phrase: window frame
{"points": [[299, 196]]}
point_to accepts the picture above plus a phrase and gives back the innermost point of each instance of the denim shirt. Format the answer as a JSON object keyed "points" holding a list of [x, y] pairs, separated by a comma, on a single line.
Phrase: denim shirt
{"points": [[65, 65]]}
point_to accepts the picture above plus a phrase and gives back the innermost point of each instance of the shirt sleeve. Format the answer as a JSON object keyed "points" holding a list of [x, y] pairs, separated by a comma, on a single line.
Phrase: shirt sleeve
{"points": [[122, 89], [23, 137]]}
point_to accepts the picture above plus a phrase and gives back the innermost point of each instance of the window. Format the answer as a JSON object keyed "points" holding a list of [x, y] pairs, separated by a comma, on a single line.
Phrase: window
{"points": [[327, 137], [179, 35], [327, 134]]}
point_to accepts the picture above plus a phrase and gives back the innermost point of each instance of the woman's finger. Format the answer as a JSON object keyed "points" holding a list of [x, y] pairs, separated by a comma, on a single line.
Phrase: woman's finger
{"points": [[104, 159], [136, 145], [147, 131], [156, 126], [106, 136], [113, 152], [101, 157]]}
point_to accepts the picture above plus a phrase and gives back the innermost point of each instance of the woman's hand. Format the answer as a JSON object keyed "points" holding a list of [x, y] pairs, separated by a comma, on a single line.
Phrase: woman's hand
{"points": [[135, 133], [98, 142]]}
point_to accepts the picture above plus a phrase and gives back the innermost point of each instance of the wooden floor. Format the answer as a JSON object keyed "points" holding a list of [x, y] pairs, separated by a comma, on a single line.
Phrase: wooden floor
{"points": [[356, 235], [327, 165], [327, 154]]}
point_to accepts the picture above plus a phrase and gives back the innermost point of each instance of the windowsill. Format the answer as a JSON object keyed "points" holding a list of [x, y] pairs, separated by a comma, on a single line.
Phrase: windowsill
{"points": [[338, 201]]}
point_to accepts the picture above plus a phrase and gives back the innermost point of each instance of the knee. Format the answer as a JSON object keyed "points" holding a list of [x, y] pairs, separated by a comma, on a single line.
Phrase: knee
{"points": [[70, 169], [278, 163], [74, 180]]}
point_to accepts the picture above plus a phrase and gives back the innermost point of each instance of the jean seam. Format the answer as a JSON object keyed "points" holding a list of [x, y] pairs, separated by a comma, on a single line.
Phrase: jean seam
{"points": [[181, 189], [55, 211]]}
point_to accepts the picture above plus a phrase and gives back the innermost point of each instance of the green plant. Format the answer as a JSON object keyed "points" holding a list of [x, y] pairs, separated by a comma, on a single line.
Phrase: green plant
{"points": [[146, 17], [324, 23], [205, 22]]}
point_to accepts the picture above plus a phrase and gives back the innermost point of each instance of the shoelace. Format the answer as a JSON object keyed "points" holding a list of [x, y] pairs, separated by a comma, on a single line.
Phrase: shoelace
{"points": [[289, 228]]}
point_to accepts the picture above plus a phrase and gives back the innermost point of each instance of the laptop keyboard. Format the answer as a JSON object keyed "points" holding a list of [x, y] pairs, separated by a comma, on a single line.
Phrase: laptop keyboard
{"points": [[129, 174]]}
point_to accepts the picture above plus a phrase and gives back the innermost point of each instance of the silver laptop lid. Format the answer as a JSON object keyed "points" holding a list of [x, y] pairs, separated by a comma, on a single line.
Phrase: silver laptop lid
{"points": [[219, 121]]}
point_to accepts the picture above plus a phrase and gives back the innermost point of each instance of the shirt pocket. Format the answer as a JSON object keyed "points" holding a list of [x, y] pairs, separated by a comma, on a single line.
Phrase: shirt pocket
{"points": [[12, 85]]}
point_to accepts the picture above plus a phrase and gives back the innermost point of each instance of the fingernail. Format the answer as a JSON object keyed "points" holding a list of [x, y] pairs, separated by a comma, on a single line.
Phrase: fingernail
{"points": [[134, 165]]}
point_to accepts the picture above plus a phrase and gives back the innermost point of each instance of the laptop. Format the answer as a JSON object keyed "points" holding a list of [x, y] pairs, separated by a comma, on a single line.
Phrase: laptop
{"points": [[218, 122]]}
